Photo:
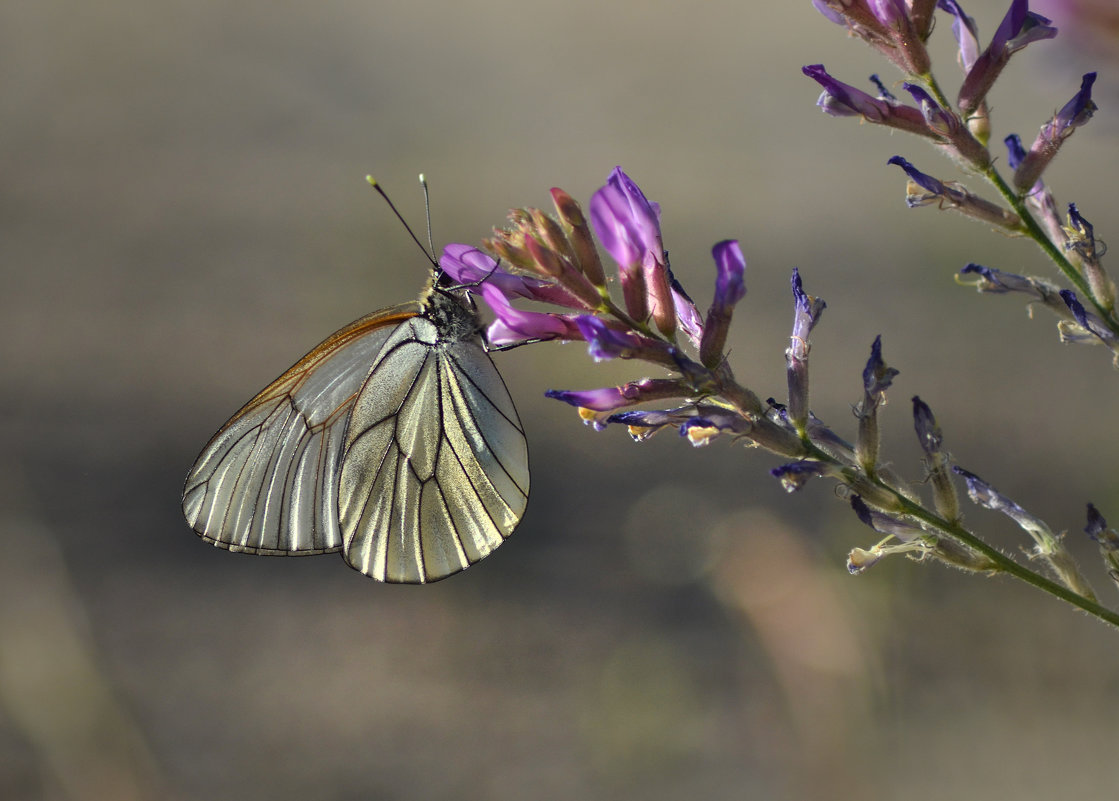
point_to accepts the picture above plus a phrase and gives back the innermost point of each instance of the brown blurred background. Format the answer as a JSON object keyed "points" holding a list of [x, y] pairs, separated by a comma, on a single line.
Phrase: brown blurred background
{"points": [[183, 214]]}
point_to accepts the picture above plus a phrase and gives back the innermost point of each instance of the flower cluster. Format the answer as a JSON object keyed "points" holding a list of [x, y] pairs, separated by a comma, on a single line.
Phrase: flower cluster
{"points": [[552, 262], [899, 28]]}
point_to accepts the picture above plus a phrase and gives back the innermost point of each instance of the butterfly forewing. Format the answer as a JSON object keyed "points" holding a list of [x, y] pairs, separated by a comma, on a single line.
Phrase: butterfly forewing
{"points": [[267, 482]]}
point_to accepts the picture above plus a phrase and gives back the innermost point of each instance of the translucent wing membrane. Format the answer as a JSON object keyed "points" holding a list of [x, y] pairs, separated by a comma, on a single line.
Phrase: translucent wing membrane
{"points": [[394, 441], [420, 501], [267, 482]]}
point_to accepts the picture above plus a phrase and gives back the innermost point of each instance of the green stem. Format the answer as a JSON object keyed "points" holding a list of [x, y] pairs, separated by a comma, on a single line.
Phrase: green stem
{"points": [[934, 89], [1008, 565], [611, 308], [1003, 563]]}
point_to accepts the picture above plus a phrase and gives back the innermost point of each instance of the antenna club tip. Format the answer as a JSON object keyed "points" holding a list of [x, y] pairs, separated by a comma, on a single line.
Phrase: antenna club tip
{"points": [[423, 180], [369, 179]]}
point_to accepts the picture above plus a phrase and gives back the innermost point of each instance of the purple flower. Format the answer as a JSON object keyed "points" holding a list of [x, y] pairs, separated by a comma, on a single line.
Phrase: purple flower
{"points": [[1052, 135], [699, 431], [808, 311], [998, 282], [883, 92], [1019, 28], [730, 267], [877, 377], [1079, 110], [880, 13], [513, 325], [1079, 224], [806, 314], [943, 122], [1088, 321], [795, 475], [1075, 306], [891, 13], [469, 266], [730, 288], [1081, 236], [686, 312], [1097, 529], [936, 461], [1108, 540], [643, 424], [829, 12], [608, 399], [606, 342], [885, 524], [932, 186], [599, 400], [625, 220], [928, 432], [628, 225], [843, 100], [890, 26], [965, 31], [711, 421], [952, 196], [1015, 151], [985, 495]]}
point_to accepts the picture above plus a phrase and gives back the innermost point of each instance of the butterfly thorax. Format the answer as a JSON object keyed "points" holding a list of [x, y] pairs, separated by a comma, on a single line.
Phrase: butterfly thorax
{"points": [[453, 316]]}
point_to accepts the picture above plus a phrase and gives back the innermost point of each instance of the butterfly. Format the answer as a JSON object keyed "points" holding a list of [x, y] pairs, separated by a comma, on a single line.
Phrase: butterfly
{"points": [[393, 441]]}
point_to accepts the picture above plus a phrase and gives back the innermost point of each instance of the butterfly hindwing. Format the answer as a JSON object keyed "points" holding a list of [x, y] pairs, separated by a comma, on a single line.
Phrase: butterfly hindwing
{"points": [[435, 473]]}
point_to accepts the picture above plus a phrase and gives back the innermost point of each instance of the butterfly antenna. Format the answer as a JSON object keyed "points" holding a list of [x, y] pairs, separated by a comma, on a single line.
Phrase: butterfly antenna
{"points": [[430, 255], [427, 214]]}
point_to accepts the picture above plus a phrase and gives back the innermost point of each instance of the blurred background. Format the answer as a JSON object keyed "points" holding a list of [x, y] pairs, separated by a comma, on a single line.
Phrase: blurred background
{"points": [[183, 213]]}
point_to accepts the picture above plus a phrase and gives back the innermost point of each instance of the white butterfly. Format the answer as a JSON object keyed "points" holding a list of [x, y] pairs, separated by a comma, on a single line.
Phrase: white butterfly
{"points": [[394, 441]]}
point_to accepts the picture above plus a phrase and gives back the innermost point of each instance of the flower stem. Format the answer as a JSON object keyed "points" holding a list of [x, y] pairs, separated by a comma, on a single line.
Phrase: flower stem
{"points": [[934, 89], [1002, 562], [1008, 565]]}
